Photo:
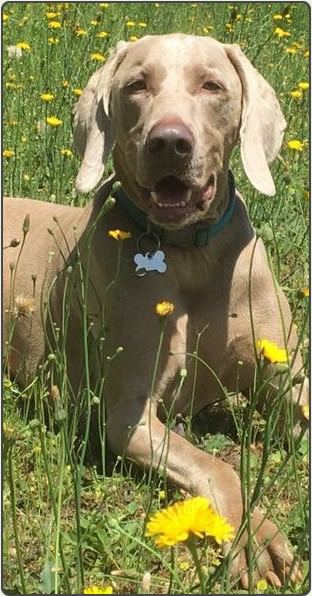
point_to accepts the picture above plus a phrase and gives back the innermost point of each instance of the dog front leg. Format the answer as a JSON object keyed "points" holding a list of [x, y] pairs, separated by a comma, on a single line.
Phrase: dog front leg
{"points": [[150, 443]]}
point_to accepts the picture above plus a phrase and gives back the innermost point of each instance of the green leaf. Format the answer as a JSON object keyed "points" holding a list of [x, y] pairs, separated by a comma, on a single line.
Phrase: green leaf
{"points": [[47, 578]]}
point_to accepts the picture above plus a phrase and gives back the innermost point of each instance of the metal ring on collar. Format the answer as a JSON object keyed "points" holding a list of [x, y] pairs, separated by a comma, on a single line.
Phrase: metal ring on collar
{"points": [[151, 235]]}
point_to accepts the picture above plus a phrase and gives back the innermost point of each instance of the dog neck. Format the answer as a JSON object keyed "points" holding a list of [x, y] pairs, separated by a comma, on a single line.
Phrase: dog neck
{"points": [[198, 234]]}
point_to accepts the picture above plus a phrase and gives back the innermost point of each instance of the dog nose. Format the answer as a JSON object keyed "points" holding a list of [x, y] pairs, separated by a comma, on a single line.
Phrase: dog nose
{"points": [[170, 138]]}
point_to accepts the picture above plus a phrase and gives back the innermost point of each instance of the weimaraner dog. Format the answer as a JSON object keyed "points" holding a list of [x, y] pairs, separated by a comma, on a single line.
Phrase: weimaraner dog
{"points": [[172, 108]]}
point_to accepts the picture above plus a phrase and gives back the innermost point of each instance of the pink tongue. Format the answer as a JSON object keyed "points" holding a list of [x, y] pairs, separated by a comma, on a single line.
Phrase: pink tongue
{"points": [[171, 190]]}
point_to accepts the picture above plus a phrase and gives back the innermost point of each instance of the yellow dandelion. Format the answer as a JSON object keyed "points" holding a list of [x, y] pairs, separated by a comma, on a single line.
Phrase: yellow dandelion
{"points": [[142, 25], [133, 38], [53, 41], [262, 585], [65, 84], [305, 292], [46, 96], [208, 28], [307, 195], [8, 431], [281, 33], [296, 145], [54, 121], [229, 27], [13, 122], [184, 565], [104, 5], [303, 85], [119, 235], [8, 153], [164, 308], [130, 23], [291, 51], [66, 152], [77, 91], [307, 53], [98, 57], [23, 45], [271, 351], [81, 32], [277, 17], [101, 34], [5, 17], [161, 494], [306, 411], [52, 15], [98, 590], [187, 519], [93, 22], [54, 24], [296, 93]]}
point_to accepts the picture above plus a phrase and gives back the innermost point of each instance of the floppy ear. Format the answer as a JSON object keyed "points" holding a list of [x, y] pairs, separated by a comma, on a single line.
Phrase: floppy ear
{"points": [[93, 131], [262, 122]]}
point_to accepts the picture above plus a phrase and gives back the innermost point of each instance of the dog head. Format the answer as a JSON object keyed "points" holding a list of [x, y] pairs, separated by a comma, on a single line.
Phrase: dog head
{"points": [[173, 107]]}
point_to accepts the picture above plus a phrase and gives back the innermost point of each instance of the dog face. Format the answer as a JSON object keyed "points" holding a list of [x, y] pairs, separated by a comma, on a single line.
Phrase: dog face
{"points": [[176, 117], [175, 106]]}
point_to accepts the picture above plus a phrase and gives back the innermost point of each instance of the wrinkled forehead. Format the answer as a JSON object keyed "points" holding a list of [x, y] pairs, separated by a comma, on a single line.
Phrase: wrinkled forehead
{"points": [[176, 52]]}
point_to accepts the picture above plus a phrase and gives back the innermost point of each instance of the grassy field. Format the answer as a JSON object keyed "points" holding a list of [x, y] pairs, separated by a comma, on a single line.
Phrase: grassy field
{"points": [[69, 523]]}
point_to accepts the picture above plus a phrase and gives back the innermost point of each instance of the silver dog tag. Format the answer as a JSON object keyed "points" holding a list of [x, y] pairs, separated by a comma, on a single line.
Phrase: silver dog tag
{"points": [[151, 261]]}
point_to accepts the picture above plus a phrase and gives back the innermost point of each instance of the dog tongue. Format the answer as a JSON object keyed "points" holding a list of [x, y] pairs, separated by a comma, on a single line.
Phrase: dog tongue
{"points": [[171, 190]]}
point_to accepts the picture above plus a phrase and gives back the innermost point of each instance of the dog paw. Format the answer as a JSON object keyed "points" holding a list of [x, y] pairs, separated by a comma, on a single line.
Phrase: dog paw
{"points": [[264, 553]]}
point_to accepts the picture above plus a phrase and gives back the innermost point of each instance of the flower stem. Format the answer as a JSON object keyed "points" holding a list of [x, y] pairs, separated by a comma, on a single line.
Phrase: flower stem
{"points": [[191, 544]]}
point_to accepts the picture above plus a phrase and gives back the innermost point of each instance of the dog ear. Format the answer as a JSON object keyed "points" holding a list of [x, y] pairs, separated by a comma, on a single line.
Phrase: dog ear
{"points": [[262, 122], [93, 131]]}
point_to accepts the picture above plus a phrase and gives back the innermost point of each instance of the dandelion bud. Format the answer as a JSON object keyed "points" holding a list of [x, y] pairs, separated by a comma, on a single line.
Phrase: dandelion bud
{"points": [[116, 186], [25, 227], [51, 357], [119, 350], [183, 372], [110, 203], [34, 277], [50, 231], [15, 242], [69, 269], [12, 266]]}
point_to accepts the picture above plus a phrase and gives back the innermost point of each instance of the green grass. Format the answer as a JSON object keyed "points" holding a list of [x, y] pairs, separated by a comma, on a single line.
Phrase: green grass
{"points": [[65, 524]]}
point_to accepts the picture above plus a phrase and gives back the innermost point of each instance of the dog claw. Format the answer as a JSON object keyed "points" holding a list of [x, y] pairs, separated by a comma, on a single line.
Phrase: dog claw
{"points": [[273, 579]]}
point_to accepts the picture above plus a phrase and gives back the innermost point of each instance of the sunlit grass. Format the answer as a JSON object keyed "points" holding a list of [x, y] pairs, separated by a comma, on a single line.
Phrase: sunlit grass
{"points": [[49, 51]]}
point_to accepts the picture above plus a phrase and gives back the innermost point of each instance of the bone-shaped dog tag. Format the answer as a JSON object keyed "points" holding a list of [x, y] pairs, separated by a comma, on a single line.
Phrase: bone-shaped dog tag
{"points": [[151, 261]]}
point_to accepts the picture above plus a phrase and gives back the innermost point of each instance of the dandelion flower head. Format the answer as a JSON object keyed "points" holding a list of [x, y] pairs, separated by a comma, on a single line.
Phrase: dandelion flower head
{"points": [[271, 351], [186, 519]]}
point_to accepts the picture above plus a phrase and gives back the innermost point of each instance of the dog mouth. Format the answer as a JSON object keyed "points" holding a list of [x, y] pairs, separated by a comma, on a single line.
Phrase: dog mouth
{"points": [[172, 200]]}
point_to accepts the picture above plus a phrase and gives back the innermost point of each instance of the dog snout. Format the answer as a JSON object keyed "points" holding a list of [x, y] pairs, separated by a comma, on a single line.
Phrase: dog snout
{"points": [[170, 138]]}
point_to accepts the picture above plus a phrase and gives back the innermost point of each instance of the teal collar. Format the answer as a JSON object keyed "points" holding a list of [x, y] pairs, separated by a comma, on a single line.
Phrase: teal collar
{"points": [[198, 234]]}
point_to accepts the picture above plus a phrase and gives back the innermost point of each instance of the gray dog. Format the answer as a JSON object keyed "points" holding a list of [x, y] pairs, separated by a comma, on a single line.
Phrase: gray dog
{"points": [[173, 107]]}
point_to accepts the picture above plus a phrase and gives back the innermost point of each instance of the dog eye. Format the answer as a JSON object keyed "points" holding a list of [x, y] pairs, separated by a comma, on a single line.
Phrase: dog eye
{"points": [[212, 86], [138, 85]]}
